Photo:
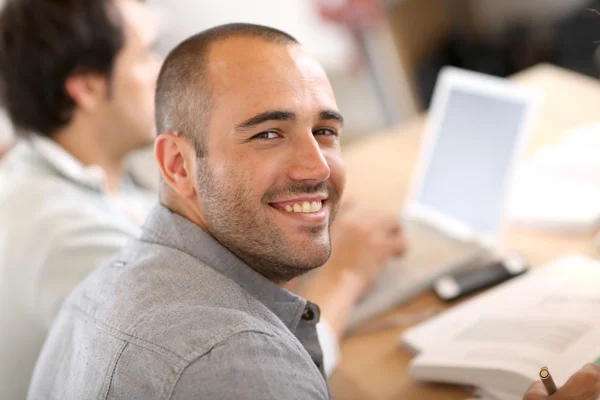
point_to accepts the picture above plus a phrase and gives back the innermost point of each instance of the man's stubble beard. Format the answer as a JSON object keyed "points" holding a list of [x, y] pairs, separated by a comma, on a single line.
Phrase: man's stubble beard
{"points": [[236, 225]]}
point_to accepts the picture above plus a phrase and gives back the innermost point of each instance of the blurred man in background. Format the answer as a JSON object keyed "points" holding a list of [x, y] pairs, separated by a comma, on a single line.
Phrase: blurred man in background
{"points": [[77, 81]]}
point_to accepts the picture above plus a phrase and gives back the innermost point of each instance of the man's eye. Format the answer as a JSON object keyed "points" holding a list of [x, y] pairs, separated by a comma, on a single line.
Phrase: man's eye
{"points": [[325, 132], [266, 135]]}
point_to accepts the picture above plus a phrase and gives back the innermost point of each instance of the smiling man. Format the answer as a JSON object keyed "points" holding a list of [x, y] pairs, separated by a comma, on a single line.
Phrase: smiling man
{"points": [[252, 176]]}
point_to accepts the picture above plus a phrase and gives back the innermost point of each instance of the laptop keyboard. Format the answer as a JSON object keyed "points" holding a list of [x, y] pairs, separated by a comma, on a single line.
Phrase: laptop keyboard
{"points": [[428, 247]]}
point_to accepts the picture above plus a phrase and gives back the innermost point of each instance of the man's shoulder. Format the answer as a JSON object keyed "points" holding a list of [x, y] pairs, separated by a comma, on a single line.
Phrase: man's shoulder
{"points": [[28, 178], [30, 186], [34, 198], [166, 298], [144, 317], [45, 214], [176, 346]]}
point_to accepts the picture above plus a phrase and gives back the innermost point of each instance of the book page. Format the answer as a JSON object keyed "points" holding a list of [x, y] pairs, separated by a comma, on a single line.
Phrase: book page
{"points": [[543, 335], [507, 354], [501, 339], [564, 291]]}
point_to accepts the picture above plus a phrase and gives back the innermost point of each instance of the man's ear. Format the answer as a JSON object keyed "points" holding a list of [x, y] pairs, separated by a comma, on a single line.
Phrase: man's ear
{"points": [[177, 162], [87, 90]]}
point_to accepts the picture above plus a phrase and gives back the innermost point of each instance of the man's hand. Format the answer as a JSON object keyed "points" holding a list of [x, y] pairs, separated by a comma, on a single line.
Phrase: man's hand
{"points": [[363, 241], [583, 385]]}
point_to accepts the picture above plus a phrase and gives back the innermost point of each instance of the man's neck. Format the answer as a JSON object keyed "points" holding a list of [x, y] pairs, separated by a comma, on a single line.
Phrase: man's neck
{"points": [[84, 143]]}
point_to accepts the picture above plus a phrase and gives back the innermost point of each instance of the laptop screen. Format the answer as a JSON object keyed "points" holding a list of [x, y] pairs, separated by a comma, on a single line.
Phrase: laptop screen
{"points": [[470, 161]]}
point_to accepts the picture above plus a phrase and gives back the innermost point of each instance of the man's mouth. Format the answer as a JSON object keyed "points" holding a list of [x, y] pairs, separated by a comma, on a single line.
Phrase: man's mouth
{"points": [[300, 206], [305, 207]]}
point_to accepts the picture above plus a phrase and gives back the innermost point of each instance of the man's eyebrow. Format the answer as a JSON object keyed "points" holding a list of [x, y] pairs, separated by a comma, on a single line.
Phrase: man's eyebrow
{"points": [[273, 115], [326, 115]]}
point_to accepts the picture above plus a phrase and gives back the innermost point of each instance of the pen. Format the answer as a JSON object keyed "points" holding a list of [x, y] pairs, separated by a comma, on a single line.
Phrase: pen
{"points": [[547, 380]]}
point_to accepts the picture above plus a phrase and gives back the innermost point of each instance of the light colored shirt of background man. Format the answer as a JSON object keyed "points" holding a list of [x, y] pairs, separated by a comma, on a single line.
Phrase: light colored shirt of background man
{"points": [[78, 78]]}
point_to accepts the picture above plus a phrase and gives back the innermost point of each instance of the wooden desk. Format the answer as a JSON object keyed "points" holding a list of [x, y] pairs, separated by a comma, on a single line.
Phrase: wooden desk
{"points": [[373, 367]]}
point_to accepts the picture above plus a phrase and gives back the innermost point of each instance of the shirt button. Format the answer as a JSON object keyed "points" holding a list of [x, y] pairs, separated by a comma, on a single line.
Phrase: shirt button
{"points": [[308, 314]]}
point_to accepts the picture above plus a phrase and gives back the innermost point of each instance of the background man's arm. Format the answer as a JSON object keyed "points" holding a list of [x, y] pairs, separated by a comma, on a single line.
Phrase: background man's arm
{"points": [[363, 241]]}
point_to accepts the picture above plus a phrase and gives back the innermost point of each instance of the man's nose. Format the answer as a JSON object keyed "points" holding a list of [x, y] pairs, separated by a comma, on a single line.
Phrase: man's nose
{"points": [[307, 162]]}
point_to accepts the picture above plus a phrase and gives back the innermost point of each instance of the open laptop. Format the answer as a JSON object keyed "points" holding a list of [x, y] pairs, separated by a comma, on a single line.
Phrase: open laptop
{"points": [[477, 130]]}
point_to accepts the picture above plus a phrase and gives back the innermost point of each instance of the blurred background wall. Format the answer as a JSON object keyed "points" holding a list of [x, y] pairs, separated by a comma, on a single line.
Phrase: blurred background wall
{"points": [[384, 73], [497, 15], [491, 36]]}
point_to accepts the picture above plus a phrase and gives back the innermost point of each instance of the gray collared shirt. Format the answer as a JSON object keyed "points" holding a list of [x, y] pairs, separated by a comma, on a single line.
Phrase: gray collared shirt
{"points": [[176, 315]]}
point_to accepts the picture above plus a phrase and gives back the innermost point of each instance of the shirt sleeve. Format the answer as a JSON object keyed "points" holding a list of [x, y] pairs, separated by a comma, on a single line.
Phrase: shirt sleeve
{"points": [[329, 346], [72, 254], [252, 366]]}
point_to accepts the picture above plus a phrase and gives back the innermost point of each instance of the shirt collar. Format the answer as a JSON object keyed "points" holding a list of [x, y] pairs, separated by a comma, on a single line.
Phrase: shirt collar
{"points": [[173, 230], [67, 165]]}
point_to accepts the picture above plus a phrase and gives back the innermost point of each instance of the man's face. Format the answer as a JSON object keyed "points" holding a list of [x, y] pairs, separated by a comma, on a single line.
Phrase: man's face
{"points": [[130, 104], [270, 183]]}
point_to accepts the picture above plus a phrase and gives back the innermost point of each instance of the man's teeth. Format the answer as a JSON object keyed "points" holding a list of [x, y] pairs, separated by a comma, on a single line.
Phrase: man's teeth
{"points": [[305, 207]]}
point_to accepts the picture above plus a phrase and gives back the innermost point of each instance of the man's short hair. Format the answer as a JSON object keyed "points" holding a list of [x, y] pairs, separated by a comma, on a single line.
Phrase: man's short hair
{"points": [[183, 91], [42, 44]]}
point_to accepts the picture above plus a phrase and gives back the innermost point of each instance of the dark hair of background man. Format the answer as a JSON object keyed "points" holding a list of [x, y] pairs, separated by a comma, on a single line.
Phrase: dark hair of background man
{"points": [[44, 42]]}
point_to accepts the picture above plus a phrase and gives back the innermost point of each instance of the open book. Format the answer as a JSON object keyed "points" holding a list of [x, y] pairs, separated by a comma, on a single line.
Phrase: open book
{"points": [[499, 340]]}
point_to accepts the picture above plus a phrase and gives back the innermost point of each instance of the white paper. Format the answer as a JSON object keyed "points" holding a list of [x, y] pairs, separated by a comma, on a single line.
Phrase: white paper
{"points": [[502, 338]]}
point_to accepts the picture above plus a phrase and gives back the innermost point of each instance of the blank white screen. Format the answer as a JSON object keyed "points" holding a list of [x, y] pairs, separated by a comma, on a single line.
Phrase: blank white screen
{"points": [[470, 161]]}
